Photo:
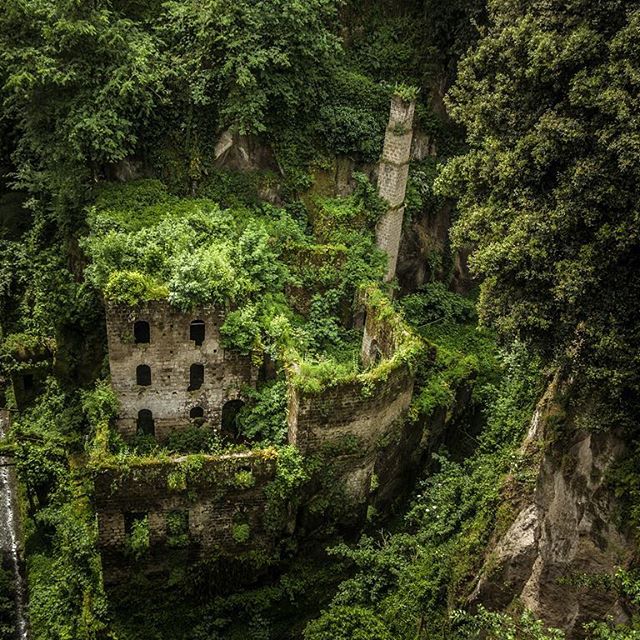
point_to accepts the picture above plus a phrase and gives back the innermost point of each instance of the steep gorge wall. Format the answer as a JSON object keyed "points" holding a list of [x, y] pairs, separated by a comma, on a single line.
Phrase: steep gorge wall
{"points": [[565, 530]]}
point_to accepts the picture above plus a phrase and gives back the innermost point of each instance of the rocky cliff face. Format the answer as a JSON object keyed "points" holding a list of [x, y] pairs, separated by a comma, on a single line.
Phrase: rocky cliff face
{"points": [[564, 530]]}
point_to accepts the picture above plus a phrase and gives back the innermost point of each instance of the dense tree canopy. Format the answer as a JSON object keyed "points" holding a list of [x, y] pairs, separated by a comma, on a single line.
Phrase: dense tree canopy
{"points": [[550, 186]]}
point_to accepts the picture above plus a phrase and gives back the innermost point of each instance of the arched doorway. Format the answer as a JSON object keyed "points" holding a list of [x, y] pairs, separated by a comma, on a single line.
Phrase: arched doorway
{"points": [[145, 425], [196, 415]]}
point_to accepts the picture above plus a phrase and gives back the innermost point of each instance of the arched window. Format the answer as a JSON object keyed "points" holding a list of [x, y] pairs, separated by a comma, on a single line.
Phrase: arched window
{"points": [[196, 376], [229, 426], [143, 375], [196, 332], [196, 412], [141, 332], [145, 424]]}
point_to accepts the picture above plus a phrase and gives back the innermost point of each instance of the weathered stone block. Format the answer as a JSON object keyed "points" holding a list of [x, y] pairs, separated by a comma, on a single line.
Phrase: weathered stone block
{"points": [[392, 183], [388, 234], [397, 146]]}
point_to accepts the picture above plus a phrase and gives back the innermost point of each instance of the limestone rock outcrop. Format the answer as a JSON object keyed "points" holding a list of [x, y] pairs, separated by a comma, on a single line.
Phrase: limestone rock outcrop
{"points": [[566, 533]]}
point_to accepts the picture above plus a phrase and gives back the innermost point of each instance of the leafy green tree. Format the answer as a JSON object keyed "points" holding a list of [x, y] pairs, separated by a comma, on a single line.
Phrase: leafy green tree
{"points": [[250, 60], [549, 188], [348, 623], [79, 79]]}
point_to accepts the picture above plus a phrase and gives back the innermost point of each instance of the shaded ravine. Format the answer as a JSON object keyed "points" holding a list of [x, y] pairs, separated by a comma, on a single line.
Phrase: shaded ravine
{"points": [[9, 538]]}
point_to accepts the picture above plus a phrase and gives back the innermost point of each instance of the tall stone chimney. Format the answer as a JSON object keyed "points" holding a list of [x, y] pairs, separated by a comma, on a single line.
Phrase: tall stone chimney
{"points": [[392, 179]]}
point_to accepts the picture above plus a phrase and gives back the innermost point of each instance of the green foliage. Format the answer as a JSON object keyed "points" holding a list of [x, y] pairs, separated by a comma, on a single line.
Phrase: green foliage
{"points": [[7, 603], [348, 623], [132, 288], [193, 439], [281, 492], [435, 303], [177, 529], [79, 80], [352, 119], [548, 190], [498, 626], [241, 533], [138, 540], [264, 417], [66, 597], [244, 480], [406, 92], [410, 578], [241, 330]]}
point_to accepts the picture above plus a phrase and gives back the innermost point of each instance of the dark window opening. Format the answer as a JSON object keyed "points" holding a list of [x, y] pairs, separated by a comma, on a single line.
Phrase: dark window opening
{"points": [[230, 427], [143, 375], [196, 332], [141, 332], [27, 382], [131, 519], [197, 415], [145, 425], [196, 376]]}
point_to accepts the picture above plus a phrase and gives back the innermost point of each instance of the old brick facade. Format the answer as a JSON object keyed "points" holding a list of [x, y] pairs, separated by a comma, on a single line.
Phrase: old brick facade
{"points": [[159, 365], [213, 498]]}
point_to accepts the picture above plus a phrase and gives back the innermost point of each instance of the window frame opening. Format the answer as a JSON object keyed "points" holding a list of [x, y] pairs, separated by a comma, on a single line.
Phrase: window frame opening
{"points": [[197, 332], [141, 332], [196, 376], [143, 375], [131, 518], [178, 529], [28, 382]]}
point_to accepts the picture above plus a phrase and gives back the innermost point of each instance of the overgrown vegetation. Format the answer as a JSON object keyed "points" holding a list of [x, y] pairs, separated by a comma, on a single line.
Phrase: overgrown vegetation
{"points": [[546, 185]]}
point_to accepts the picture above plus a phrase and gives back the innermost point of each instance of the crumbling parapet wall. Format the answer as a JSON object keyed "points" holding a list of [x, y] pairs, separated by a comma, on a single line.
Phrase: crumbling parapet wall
{"points": [[169, 354], [392, 179], [357, 418], [351, 422], [215, 494]]}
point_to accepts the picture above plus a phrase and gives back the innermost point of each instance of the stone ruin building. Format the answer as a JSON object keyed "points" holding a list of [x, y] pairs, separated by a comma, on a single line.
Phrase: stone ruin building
{"points": [[169, 370]]}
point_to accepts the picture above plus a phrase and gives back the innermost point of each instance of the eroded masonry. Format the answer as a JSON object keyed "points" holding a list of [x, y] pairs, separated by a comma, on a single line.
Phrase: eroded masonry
{"points": [[208, 500], [170, 373]]}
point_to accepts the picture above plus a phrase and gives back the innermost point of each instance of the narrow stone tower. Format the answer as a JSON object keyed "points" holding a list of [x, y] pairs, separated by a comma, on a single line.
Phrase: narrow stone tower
{"points": [[392, 179]]}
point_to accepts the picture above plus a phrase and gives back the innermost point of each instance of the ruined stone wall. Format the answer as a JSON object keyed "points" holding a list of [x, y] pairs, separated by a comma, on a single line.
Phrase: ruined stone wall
{"points": [[352, 423], [213, 497], [170, 354], [392, 179]]}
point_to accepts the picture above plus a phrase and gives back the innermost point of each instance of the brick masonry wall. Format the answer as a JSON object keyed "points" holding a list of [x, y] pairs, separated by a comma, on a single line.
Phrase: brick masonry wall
{"points": [[392, 179], [351, 416], [212, 499], [170, 355]]}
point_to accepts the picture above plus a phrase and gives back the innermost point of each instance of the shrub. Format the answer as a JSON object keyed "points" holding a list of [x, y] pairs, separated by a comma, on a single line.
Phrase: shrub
{"points": [[138, 541], [241, 533], [132, 288], [244, 480]]}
